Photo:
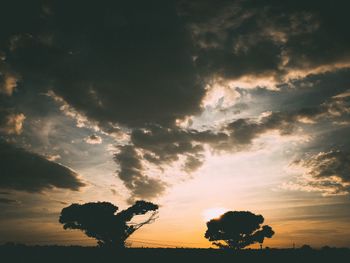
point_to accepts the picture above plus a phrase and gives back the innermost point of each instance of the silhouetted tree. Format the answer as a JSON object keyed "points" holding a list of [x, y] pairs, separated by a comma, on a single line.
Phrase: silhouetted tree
{"points": [[237, 229], [100, 221]]}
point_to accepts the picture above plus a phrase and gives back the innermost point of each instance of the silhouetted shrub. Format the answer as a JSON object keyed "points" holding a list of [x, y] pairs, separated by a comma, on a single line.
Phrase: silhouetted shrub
{"points": [[306, 247]]}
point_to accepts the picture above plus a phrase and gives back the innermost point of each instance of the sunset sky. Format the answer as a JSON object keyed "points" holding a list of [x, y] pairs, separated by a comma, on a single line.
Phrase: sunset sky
{"points": [[200, 106]]}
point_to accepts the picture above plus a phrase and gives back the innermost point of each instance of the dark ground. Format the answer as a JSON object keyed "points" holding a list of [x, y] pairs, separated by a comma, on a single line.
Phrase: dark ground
{"points": [[20, 253]]}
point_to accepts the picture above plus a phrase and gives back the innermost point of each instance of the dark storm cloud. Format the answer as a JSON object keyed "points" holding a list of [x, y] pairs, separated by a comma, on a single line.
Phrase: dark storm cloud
{"points": [[193, 162], [7, 201], [133, 64], [26, 171], [164, 145], [161, 147], [278, 39], [143, 65], [115, 62], [133, 175], [326, 172]]}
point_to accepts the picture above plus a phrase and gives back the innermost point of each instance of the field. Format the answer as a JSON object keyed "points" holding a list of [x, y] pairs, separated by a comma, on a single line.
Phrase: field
{"points": [[20, 253]]}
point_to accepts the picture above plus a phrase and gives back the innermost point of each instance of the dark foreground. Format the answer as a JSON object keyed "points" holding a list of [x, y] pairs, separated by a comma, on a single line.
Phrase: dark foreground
{"points": [[92, 254]]}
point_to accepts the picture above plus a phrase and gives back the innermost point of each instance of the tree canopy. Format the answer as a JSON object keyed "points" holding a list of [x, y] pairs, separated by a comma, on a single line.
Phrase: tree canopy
{"points": [[100, 221], [237, 229]]}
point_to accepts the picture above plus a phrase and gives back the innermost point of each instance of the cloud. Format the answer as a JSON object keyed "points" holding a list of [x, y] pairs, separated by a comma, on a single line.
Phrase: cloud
{"points": [[11, 123], [53, 157], [135, 73], [133, 175], [8, 83], [130, 66], [343, 95], [8, 78], [267, 43], [192, 163], [243, 131], [325, 172], [7, 201], [60, 202], [81, 119], [163, 147], [160, 147], [26, 171], [93, 139]]}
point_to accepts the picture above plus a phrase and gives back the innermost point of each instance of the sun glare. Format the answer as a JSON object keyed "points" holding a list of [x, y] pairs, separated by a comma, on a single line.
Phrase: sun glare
{"points": [[215, 212]]}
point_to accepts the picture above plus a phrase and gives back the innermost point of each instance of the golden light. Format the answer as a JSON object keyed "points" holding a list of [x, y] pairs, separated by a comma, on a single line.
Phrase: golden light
{"points": [[218, 91], [213, 213]]}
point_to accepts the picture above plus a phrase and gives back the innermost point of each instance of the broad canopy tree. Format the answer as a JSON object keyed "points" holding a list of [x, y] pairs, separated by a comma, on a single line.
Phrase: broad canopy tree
{"points": [[100, 221], [237, 229]]}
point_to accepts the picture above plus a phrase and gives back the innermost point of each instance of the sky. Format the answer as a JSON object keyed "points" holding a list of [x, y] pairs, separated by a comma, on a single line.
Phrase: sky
{"points": [[199, 106]]}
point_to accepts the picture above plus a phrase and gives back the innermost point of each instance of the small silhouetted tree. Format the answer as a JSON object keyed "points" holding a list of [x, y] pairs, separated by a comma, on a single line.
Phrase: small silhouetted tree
{"points": [[237, 229], [100, 221], [306, 247]]}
